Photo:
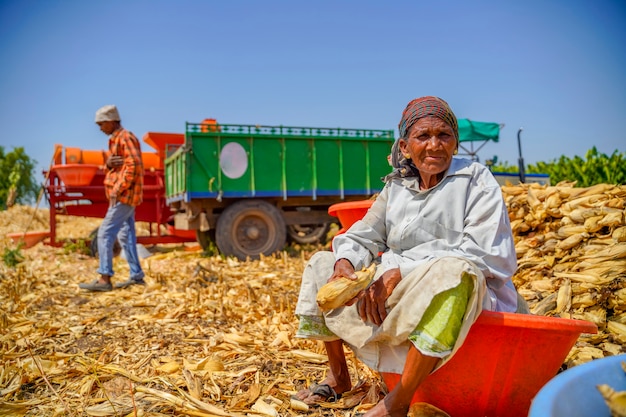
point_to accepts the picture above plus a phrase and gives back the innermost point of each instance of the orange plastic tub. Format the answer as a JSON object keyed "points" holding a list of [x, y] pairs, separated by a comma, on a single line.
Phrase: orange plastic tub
{"points": [[349, 212], [505, 360], [74, 175], [29, 239]]}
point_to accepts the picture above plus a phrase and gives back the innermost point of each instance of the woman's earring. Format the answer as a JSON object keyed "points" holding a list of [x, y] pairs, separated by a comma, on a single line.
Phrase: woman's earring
{"points": [[407, 156], [456, 151]]}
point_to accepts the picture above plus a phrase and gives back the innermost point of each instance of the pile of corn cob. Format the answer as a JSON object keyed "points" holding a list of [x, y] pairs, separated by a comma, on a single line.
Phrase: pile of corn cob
{"points": [[571, 249]]}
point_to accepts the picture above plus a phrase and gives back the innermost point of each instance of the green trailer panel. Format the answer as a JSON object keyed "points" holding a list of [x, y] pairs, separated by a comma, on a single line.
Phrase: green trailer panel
{"points": [[237, 161]]}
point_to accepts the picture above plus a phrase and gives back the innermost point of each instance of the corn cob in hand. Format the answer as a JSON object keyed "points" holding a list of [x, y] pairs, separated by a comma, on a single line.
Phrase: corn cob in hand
{"points": [[338, 292]]}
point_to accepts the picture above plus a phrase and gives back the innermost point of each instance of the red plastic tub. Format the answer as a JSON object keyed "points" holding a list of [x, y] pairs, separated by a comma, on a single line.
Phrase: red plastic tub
{"points": [[505, 360], [349, 212]]}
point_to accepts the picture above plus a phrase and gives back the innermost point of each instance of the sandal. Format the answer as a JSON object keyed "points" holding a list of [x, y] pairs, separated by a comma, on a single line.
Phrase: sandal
{"points": [[325, 391]]}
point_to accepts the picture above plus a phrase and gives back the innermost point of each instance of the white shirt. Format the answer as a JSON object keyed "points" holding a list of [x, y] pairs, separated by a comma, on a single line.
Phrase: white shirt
{"points": [[464, 215]]}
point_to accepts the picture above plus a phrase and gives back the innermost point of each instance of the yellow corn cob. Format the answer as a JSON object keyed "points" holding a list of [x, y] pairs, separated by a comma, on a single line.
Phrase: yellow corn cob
{"points": [[580, 214], [617, 203], [584, 277], [615, 400], [597, 189], [564, 297], [512, 189], [571, 241], [617, 302], [338, 292], [533, 200], [546, 284], [587, 201], [619, 234], [615, 251], [613, 219], [553, 200], [584, 300], [616, 328], [592, 225], [567, 231]]}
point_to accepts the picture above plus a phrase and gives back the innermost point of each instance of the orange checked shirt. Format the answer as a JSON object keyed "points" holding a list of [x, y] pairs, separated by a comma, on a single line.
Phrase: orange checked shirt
{"points": [[125, 183]]}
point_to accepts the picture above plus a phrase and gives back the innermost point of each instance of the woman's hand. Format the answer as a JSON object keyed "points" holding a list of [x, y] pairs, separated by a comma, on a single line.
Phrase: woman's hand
{"points": [[343, 268], [371, 301]]}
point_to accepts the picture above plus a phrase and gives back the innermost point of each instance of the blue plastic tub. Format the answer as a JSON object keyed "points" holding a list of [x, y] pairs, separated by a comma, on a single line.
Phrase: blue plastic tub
{"points": [[573, 393]]}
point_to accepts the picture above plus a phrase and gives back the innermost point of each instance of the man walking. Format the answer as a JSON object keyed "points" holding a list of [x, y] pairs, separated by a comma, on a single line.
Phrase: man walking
{"points": [[123, 186]]}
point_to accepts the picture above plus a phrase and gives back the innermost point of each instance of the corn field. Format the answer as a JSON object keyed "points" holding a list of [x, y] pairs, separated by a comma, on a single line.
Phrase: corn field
{"points": [[594, 168]]}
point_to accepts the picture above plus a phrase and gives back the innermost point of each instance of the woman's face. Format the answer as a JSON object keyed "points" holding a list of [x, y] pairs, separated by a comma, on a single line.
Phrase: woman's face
{"points": [[430, 143]]}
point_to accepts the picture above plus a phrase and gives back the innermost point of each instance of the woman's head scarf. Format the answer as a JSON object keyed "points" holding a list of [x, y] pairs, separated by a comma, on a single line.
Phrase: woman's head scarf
{"points": [[415, 110]]}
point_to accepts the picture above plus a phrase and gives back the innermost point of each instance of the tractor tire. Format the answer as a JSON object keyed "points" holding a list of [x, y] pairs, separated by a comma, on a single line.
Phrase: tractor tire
{"points": [[249, 228], [308, 233]]}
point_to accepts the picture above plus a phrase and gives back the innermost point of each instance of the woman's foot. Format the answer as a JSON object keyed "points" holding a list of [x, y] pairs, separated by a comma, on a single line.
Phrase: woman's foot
{"points": [[337, 379], [328, 390]]}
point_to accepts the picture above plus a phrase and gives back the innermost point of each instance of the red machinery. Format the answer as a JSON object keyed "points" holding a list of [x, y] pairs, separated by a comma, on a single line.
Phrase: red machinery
{"points": [[75, 186]]}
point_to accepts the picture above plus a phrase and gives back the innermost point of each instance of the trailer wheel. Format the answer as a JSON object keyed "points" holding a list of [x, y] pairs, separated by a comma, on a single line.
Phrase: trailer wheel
{"points": [[93, 244], [249, 228], [308, 233]]}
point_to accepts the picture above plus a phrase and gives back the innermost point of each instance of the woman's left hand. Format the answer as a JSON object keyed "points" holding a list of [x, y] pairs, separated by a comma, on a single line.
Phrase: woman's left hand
{"points": [[371, 301]]}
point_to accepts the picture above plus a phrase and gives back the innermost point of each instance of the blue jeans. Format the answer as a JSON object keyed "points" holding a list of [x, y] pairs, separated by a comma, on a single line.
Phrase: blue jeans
{"points": [[119, 223]]}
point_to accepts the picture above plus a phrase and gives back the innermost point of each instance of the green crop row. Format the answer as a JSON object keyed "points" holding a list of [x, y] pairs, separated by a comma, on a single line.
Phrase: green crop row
{"points": [[595, 168]]}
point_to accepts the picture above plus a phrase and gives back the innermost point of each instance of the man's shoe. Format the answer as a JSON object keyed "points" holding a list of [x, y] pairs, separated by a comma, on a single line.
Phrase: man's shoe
{"points": [[96, 286], [130, 282]]}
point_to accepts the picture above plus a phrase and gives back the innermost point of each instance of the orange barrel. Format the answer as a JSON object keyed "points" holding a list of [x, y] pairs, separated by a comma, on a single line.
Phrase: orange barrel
{"points": [[73, 155], [94, 157], [209, 125]]}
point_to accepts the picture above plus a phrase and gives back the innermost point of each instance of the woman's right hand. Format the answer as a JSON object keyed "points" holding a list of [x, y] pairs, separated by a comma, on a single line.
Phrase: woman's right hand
{"points": [[372, 300]]}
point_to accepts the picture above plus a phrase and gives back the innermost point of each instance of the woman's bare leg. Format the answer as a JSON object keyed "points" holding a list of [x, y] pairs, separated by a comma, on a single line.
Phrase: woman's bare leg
{"points": [[338, 377], [398, 401]]}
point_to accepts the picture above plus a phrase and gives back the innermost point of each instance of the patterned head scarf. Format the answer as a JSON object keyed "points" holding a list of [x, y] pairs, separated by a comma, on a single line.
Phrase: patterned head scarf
{"points": [[415, 110]]}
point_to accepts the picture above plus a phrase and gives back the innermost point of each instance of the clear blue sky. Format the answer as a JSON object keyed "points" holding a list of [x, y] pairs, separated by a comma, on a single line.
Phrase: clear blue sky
{"points": [[555, 68]]}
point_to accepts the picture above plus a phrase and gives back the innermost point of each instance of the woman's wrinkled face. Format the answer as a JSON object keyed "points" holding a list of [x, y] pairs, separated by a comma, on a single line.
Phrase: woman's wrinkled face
{"points": [[430, 143]]}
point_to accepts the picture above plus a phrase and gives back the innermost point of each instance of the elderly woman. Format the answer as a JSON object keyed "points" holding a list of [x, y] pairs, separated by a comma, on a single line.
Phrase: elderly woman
{"points": [[446, 250]]}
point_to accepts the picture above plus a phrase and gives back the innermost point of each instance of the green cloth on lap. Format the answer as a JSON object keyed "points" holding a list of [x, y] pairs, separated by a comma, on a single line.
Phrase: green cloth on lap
{"points": [[313, 327], [436, 333]]}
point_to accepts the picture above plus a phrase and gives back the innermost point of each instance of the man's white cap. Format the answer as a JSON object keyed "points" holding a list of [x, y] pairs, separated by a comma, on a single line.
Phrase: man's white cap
{"points": [[107, 113]]}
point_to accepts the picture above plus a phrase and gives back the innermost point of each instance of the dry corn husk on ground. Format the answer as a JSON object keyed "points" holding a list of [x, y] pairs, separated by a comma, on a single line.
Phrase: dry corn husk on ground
{"points": [[206, 337], [214, 337], [571, 247]]}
